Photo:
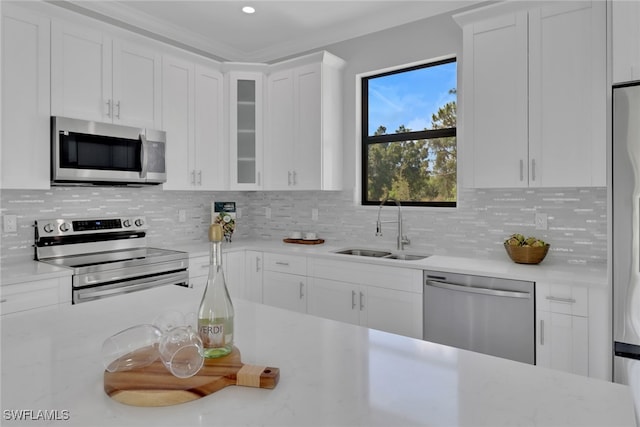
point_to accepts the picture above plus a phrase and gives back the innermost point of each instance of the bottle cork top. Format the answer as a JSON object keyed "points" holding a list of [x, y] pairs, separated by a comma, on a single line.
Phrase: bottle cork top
{"points": [[215, 233]]}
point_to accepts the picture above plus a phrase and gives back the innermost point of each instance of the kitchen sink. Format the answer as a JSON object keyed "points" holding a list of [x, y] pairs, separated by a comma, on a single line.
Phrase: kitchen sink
{"points": [[364, 252], [407, 257], [381, 254]]}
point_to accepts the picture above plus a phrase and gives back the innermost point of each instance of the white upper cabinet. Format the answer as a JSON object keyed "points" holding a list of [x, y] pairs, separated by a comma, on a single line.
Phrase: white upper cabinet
{"points": [[24, 149], [304, 124], [192, 116], [136, 85], [495, 114], [95, 77], [279, 173], [211, 152], [626, 40], [245, 128], [534, 95]]}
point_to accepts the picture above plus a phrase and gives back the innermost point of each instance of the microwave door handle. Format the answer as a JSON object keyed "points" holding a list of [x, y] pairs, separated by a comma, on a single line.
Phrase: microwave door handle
{"points": [[143, 156]]}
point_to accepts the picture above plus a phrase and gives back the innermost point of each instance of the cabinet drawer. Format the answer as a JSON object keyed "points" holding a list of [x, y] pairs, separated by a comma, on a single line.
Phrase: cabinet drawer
{"points": [[27, 296], [562, 299], [291, 264], [198, 266]]}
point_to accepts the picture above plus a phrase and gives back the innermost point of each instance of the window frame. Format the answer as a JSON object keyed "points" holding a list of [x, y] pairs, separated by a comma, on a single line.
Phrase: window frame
{"points": [[367, 140]]}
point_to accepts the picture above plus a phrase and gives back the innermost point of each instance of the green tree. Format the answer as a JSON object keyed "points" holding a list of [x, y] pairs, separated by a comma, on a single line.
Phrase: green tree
{"points": [[415, 169]]}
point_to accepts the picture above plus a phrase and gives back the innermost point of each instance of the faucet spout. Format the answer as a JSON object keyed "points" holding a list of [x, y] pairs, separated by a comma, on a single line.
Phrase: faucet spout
{"points": [[401, 239]]}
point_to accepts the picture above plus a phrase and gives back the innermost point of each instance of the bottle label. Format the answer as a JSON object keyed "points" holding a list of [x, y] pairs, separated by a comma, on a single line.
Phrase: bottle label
{"points": [[212, 335]]}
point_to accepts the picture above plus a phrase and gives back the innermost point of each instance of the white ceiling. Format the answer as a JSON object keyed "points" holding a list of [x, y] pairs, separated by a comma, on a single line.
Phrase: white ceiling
{"points": [[277, 29]]}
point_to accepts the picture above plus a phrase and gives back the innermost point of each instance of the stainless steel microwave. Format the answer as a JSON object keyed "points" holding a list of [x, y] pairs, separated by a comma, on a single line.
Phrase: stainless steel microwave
{"points": [[88, 152]]}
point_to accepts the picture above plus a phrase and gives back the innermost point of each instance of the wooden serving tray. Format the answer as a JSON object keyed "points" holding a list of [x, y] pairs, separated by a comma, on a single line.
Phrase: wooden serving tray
{"points": [[304, 242], [154, 385]]}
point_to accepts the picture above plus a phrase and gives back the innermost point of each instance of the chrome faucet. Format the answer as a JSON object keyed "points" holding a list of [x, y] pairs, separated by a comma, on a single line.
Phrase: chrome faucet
{"points": [[401, 239]]}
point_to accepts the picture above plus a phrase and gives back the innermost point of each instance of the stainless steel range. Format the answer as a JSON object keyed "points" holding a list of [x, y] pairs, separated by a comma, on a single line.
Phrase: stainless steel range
{"points": [[109, 256]]}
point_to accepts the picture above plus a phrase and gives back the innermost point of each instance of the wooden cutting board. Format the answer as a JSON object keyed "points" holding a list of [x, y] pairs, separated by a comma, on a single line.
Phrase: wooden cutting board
{"points": [[154, 385]]}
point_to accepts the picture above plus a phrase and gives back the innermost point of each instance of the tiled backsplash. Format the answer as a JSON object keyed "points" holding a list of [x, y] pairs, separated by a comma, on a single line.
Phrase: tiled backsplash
{"points": [[577, 218]]}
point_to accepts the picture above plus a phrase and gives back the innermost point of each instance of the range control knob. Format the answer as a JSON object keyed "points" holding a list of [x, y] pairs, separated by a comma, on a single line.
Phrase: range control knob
{"points": [[127, 223], [65, 227], [48, 228], [139, 222]]}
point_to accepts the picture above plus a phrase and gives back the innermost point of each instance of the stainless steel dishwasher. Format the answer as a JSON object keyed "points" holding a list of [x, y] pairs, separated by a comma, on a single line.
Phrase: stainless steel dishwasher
{"points": [[483, 314]]}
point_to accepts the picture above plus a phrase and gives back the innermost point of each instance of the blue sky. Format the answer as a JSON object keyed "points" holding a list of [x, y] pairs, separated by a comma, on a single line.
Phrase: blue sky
{"points": [[410, 98]]}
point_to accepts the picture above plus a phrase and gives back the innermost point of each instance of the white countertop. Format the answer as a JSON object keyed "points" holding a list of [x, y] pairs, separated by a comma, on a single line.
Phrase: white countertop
{"points": [[30, 270], [330, 374], [547, 270], [585, 275]]}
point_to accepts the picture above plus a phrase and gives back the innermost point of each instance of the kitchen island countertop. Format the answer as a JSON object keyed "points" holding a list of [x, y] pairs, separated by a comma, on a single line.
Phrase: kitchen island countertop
{"points": [[330, 374]]}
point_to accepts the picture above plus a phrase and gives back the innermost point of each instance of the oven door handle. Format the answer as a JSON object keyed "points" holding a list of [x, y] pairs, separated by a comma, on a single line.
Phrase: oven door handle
{"points": [[477, 290], [87, 294]]}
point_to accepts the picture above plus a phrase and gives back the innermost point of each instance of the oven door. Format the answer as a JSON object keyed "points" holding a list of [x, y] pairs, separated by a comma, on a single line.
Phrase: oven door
{"points": [[99, 291]]}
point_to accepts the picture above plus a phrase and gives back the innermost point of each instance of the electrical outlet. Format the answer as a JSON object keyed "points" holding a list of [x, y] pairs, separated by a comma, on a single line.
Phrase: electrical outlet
{"points": [[541, 221], [238, 213], [314, 214], [182, 215], [10, 223], [267, 213]]}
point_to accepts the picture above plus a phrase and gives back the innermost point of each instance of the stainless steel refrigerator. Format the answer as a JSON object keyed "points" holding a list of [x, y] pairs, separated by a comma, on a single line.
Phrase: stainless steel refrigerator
{"points": [[626, 236]]}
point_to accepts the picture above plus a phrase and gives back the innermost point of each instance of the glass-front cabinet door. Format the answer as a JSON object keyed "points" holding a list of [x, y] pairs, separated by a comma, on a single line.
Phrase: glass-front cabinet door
{"points": [[245, 110]]}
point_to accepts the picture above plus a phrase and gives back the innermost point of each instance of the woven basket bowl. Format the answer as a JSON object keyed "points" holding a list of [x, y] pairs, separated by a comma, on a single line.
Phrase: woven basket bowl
{"points": [[527, 254]]}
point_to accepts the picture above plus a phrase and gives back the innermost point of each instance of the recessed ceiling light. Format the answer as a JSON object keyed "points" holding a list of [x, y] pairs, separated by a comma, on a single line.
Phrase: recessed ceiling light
{"points": [[248, 9]]}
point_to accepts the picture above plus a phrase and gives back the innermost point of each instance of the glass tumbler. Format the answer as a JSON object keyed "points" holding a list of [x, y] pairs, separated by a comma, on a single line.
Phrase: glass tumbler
{"points": [[132, 348], [181, 351]]}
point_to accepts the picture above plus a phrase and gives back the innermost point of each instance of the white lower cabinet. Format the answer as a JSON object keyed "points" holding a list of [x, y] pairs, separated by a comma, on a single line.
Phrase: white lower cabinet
{"points": [[335, 300], [379, 297], [284, 281], [562, 327], [37, 294], [563, 342], [378, 308], [232, 265], [253, 261], [284, 290]]}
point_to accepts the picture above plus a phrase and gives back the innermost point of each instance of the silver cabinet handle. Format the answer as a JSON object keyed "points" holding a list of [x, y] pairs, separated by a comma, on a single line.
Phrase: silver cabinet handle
{"points": [[521, 170], [108, 108], [3, 300], [361, 301], [294, 177], [533, 169], [118, 107], [282, 263], [563, 300], [353, 300], [476, 290], [257, 264], [193, 177], [301, 290], [288, 177], [541, 332], [200, 177]]}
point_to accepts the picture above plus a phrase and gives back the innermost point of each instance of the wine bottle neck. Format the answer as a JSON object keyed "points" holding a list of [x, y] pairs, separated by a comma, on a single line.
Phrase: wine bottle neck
{"points": [[215, 254]]}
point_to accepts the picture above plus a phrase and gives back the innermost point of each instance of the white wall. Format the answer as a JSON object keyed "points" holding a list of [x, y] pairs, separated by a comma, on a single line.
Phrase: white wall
{"points": [[415, 42]]}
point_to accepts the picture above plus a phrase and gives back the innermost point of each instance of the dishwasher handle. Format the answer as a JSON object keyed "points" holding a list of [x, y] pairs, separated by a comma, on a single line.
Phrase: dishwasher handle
{"points": [[476, 290]]}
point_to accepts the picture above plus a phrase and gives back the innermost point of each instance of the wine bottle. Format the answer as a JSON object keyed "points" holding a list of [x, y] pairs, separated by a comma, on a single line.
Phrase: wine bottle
{"points": [[215, 316]]}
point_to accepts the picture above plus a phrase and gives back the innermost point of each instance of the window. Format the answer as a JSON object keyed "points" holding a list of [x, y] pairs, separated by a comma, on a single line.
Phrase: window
{"points": [[409, 151]]}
